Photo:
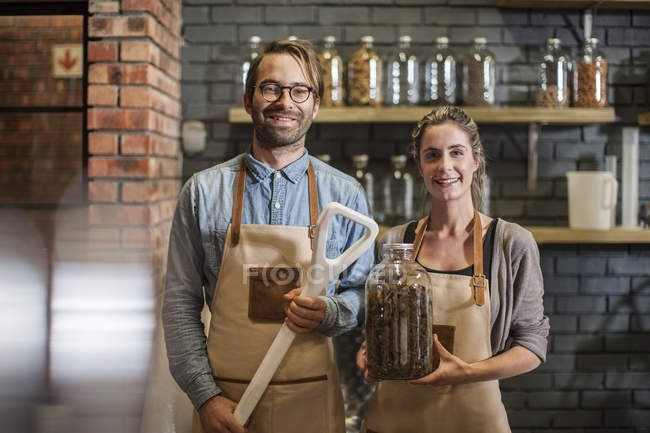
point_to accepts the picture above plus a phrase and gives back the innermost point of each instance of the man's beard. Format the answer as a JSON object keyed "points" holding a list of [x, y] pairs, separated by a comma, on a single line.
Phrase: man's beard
{"points": [[272, 137]]}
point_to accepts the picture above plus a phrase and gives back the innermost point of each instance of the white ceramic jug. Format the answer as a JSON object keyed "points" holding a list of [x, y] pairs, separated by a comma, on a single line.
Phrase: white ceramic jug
{"points": [[592, 199]]}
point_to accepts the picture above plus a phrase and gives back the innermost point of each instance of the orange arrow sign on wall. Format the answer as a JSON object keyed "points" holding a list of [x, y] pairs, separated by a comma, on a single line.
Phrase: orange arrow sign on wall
{"points": [[67, 60]]}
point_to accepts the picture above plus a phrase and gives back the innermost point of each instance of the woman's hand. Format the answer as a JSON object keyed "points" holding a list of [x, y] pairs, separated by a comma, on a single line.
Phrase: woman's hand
{"points": [[362, 363], [451, 371]]}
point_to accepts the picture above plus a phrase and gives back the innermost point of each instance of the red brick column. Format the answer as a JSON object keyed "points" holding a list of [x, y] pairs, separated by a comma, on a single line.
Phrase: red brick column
{"points": [[133, 124]]}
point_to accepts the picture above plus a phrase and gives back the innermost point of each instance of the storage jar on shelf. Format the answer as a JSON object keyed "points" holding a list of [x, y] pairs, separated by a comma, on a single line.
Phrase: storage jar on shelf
{"points": [[479, 75], [440, 75], [365, 178], [252, 50], [554, 70], [590, 77], [332, 64], [403, 75], [397, 193], [365, 75]]}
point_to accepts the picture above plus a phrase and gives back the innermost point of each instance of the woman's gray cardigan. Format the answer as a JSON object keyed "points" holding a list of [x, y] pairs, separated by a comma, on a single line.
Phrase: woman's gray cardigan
{"points": [[516, 289]]}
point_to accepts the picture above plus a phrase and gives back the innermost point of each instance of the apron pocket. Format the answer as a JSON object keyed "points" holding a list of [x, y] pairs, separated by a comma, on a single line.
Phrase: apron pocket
{"points": [[300, 407], [266, 287]]}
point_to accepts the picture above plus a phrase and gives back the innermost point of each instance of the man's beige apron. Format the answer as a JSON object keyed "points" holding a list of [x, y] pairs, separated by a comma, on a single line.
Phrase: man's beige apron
{"points": [[304, 395], [463, 302]]}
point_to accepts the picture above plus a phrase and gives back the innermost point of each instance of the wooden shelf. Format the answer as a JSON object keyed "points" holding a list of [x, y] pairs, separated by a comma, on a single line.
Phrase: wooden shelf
{"points": [[644, 119], [565, 235], [575, 4], [566, 116]]}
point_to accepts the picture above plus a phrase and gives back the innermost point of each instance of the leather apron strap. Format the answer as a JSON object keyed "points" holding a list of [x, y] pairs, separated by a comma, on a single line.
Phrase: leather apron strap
{"points": [[478, 279], [238, 204]]}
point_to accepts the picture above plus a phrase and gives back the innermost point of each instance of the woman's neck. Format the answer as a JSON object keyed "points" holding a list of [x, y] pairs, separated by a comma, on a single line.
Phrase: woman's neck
{"points": [[451, 218]]}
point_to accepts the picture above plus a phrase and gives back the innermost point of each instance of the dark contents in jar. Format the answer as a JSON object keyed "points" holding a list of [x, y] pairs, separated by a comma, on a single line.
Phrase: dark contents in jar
{"points": [[398, 344]]}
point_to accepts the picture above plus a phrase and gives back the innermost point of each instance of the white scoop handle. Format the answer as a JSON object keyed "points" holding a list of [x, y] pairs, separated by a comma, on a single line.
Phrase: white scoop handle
{"points": [[321, 271]]}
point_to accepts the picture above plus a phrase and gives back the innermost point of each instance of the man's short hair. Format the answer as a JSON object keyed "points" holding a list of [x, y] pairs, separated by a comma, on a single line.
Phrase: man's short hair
{"points": [[301, 50]]}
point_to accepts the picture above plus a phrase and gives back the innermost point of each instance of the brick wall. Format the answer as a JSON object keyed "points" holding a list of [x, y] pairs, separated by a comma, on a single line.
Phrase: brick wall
{"points": [[597, 378], [133, 122], [40, 153]]}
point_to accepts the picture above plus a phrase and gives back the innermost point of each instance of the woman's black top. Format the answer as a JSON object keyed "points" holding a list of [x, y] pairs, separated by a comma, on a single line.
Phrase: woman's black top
{"points": [[488, 244]]}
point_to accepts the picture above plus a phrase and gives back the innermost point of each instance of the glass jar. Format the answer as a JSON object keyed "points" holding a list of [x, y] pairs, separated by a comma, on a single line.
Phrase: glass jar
{"points": [[397, 193], [399, 316], [479, 75], [332, 64], [440, 75], [554, 70], [403, 75], [365, 178], [252, 50], [590, 77], [365, 75]]}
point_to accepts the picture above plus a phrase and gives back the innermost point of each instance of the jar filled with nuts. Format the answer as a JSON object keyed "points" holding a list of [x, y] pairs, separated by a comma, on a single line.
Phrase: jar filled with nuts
{"points": [[590, 77], [332, 64], [479, 75], [399, 317], [402, 75], [365, 75], [554, 69], [440, 75]]}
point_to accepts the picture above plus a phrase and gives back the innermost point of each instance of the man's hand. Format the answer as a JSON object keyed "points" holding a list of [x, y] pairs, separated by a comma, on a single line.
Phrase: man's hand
{"points": [[217, 416], [304, 313]]}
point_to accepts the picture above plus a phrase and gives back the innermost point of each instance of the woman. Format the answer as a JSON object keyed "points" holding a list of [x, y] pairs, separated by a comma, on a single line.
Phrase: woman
{"points": [[486, 282]]}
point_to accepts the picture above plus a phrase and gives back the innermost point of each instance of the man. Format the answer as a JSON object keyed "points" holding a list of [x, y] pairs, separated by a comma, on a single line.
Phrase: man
{"points": [[241, 237]]}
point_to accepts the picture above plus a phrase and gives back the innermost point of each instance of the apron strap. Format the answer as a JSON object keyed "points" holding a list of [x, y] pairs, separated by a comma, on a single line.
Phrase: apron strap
{"points": [[419, 235], [313, 203], [478, 280], [238, 205]]}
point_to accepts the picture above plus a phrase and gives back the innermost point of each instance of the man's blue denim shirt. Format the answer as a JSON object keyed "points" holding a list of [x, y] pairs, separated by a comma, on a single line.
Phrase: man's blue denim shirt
{"points": [[196, 242]]}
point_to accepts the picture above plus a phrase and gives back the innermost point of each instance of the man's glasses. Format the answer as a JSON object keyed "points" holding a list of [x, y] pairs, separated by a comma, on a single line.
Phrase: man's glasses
{"points": [[272, 92]]}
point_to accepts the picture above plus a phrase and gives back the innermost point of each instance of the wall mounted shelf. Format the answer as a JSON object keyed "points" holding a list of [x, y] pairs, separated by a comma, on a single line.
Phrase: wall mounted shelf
{"points": [[565, 235], [575, 4], [551, 116]]}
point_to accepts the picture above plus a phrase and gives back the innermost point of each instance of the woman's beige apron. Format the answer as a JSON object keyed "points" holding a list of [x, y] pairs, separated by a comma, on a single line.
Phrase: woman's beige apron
{"points": [[464, 303], [260, 262]]}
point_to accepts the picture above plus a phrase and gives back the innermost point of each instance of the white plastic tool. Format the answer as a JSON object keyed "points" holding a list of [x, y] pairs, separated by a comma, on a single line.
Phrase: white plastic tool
{"points": [[322, 271]]}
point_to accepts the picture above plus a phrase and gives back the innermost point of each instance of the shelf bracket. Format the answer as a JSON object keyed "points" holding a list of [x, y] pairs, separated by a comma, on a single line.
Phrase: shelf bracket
{"points": [[533, 136]]}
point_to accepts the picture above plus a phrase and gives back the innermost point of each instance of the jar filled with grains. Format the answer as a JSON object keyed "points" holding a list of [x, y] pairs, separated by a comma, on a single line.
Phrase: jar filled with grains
{"points": [[590, 77], [365, 75], [479, 75], [440, 75], [554, 69], [332, 64], [399, 317]]}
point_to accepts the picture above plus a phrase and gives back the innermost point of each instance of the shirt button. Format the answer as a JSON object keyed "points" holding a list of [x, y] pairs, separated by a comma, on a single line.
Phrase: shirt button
{"points": [[277, 205], [277, 174]]}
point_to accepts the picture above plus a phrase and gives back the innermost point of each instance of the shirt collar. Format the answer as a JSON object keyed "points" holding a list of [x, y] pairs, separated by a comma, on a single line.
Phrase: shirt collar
{"points": [[294, 171]]}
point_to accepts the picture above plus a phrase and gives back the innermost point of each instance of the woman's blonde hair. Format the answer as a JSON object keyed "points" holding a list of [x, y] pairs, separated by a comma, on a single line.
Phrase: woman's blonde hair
{"points": [[301, 50], [454, 114]]}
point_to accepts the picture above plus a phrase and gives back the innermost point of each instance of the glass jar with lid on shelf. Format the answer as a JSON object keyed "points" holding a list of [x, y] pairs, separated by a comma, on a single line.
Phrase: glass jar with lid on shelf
{"points": [[590, 77], [365, 178], [440, 75], [332, 64], [365, 75], [397, 193], [479, 75], [399, 316], [554, 70], [403, 75], [251, 51]]}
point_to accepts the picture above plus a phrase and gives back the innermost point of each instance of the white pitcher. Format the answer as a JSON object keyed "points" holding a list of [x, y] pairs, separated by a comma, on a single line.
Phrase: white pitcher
{"points": [[592, 199]]}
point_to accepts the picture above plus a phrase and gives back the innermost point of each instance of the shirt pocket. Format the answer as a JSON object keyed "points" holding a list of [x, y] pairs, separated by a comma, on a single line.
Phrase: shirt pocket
{"points": [[213, 249]]}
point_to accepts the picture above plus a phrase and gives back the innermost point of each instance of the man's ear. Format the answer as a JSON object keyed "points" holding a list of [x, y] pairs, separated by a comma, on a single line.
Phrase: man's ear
{"points": [[316, 107], [247, 104]]}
